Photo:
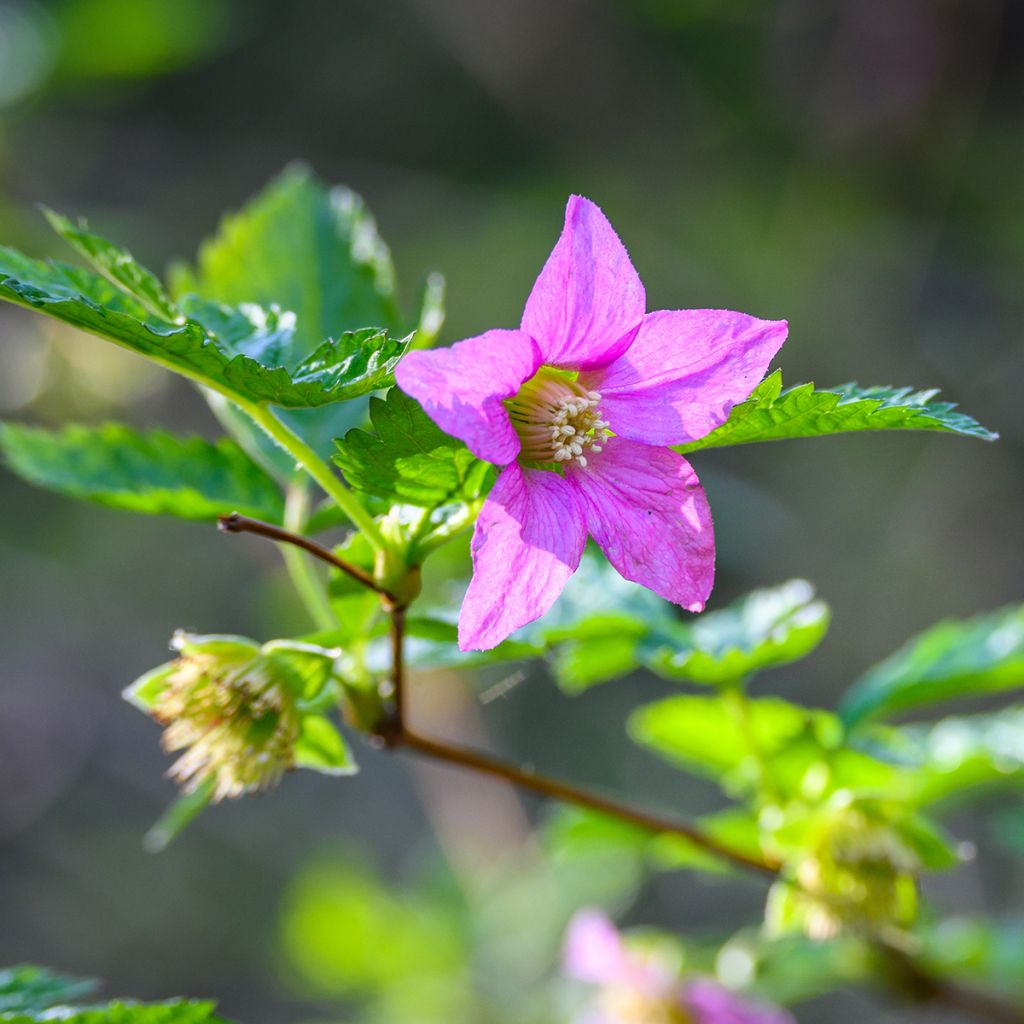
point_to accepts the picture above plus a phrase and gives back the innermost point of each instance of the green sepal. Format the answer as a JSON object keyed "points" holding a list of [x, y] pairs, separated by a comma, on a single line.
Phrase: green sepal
{"points": [[322, 748], [146, 691]]}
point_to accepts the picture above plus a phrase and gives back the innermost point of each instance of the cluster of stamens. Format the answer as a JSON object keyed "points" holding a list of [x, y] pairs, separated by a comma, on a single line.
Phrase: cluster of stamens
{"points": [[235, 725], [557, 419]]}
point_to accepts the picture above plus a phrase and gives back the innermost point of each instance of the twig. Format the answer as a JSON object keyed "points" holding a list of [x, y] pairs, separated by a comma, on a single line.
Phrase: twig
{"points": [[237, 523], [398, 734], [914, 980]]}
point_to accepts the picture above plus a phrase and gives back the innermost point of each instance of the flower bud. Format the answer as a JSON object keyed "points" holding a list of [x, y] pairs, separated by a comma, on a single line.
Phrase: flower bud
{"points": [[226, 707]]}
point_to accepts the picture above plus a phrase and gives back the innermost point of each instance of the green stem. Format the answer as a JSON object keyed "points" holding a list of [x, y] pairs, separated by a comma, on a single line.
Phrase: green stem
{"points": [[317, 469], [303, 576], [736, 697]]}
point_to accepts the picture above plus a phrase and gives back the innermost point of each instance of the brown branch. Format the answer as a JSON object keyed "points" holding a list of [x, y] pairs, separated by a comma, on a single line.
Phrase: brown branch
{"points": [[910, 977], [398, 734], [237, 523]]}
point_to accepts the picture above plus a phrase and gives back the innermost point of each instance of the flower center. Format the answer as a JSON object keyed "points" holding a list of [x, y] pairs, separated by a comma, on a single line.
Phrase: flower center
{"points": [[557, 419]]}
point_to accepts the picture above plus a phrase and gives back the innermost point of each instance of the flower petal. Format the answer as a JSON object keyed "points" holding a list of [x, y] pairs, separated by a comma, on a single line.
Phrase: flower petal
{"points": [[684, 372], [593, 949], [461, 388], [710, 1003], [588, 301], [528, 541], [649, 515]]}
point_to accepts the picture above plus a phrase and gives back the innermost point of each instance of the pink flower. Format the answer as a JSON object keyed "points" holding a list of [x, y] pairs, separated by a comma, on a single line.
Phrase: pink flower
{"points": [[640, 989], [578, 405]]}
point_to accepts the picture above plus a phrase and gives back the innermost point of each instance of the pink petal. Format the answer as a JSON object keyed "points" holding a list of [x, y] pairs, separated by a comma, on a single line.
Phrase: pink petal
{"points": [[684, 372], [710, 1003], [588, 301], [461, 388], [593, 949], [528, 541], [648, 513]]}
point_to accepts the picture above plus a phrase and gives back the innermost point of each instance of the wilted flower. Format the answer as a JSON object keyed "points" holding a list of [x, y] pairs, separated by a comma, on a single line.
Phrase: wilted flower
{"points": [[579, 405], [226, 708], [640, 987]]}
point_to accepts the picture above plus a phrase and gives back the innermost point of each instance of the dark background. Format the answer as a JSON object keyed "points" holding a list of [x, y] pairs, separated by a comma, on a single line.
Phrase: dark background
{"points": [[854, 167]]}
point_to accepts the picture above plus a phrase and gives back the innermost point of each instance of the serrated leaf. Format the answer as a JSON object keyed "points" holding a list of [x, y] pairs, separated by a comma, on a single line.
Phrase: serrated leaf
{"points": [[27, 989], [313, 251], [771, 414], [170, 1012], [762, 629], [350, 365], [408, 459], [89, 302], [153, 472], [966, 658], [116, 264], [321, 748], [305, 248]]}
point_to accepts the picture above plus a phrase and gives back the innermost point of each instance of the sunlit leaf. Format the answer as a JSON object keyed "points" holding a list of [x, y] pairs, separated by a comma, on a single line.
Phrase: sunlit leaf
{"points": [[116, 264], [89, 302], [408, 459], [762, 629], [152, 472], [965, 658], [28, 989], [171, 1012], [710, 736], [772, 414]]}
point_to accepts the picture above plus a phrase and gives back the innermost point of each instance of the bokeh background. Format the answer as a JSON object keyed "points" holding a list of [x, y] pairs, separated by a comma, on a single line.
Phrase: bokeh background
{"points": [[852, 165]]}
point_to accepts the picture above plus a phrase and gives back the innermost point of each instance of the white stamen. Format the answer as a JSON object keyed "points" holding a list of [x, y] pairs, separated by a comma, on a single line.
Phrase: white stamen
{"points": [[557, 420]]}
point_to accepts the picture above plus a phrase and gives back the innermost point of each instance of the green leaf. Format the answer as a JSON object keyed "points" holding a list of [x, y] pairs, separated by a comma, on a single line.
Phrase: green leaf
{"points": [[949, 759], [321, 748], [706, 735], [983, 953], [771, 414], [89, 302], [305, 248], [355, 364], [763, 628], [154, 472], [27, 989], [409, 459], [965, 658], [735, 827], [116, 264], [171, 1012]]}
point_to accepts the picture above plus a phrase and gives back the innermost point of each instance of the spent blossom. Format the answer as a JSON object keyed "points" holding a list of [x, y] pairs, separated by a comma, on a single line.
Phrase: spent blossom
{"points": [[225, 708], [579, 405], [634, 986]]}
